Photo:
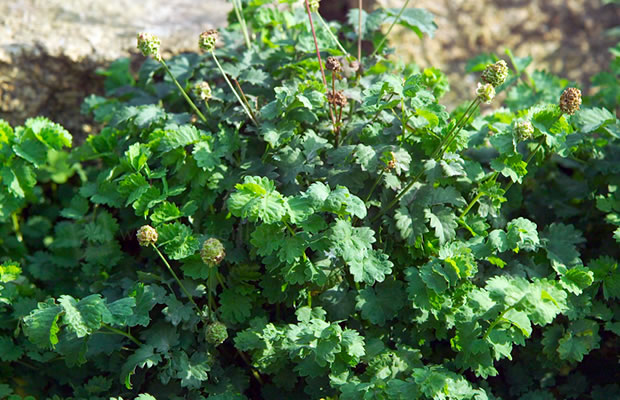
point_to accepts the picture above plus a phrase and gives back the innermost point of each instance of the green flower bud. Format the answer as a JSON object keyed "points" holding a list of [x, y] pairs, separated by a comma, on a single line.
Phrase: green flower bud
{"points": [[495, 74], [523, 130], [216, 333], [212, 252], [570, 101], [485, 92], [149, 45], [202, 90], [314, 5], [147, 235], [207, 40]]}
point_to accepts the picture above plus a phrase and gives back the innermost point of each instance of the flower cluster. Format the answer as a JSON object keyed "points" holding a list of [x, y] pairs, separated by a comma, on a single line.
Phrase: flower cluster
{"points": [[147, 235], [314, 5], [207, 40], [212, 252], [495, 74], [523, 130], [202, 90], [333, 64], [570, 101], [485, 92], [337, 98], [216, 333], [148, 45]]}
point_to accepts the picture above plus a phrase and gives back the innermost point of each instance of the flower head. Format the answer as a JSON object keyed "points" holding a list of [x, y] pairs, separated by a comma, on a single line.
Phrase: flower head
{"points": [[149, 45], [212, 252], [570, 100], [216, 333], [333, 64], [314, 5], [523, 130], [202, 90], [207, 40], [485, 92], [337, 98], [147, 235], [495, 74]]}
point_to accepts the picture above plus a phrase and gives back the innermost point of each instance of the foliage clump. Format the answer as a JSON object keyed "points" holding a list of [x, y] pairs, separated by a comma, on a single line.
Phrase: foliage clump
{"points": [[369, 242]]}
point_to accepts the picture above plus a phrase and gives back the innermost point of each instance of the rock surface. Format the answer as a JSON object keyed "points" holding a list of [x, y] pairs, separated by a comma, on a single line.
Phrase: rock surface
{"points": [[50, 49]]}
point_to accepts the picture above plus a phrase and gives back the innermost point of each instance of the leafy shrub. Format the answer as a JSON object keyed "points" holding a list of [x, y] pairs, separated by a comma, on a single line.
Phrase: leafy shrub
{"points": [[289, 234]]}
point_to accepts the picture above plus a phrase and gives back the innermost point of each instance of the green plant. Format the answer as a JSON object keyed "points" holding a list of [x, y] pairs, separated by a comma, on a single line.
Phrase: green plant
{"points": [[300, 237]]}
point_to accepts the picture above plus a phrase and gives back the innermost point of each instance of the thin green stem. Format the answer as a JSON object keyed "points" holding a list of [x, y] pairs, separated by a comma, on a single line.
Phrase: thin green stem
{"points": [[245, 99], [334, 38], [359, 31], [187, 99], [318, 55], [292, 232], [374, 186], [123, 333], [233, 89], [437, 154], [254, 372], [527, 161], [470, 205], [16, 229], [400, 13], [498, 320], [210, 288], [239, 12], [189, 296]]}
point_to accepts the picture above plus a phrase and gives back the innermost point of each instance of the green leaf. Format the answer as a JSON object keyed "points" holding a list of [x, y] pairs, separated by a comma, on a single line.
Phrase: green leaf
{"points": [[177, 240], [576, 279], [257, 199], [591, 119], [560, 242], [522, 233], [179, 136], [41, 325], [371, 269], [580, 338], [85, 316], [606, 271], [143, 357], [8, 350], [443, 220], [381, 303], [235, 307], [165, 212], [419, 20]]}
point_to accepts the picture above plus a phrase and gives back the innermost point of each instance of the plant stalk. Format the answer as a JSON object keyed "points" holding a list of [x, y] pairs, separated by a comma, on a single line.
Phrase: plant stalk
{"points": [[331, 34], [359, 31], [400, 14], [233, 89], [187, 98], [239, 12], [122, 333], [174, 275]]}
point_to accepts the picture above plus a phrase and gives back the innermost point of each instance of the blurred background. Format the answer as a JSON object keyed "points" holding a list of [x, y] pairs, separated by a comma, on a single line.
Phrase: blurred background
{"points": [[50, 49]]}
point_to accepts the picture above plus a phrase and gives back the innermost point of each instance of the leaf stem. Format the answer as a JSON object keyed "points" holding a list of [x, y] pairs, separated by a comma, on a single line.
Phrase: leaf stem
{"points": [[500, 318], [374, 186], [233, 89], [123, 333], [187, 98], [529, 158], [189, 296], [245, 99], [400, 13]]}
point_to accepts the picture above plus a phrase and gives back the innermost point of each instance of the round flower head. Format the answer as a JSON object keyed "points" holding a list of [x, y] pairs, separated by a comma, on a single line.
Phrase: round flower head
{"points": [[149, 45], [207, 40], [212, 252], [333, 64], [216, 333], [495, 74], [523, 130], [314, 5], [147, 235], [570, 100], [202, 90], [337, 98], [485, 92]]}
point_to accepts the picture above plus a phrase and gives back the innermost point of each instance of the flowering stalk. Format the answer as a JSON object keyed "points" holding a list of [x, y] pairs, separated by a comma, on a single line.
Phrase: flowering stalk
{"points": [[174, 275], [400, 14], [318, 54], [331, 34], [187, 98], [239, 12]]}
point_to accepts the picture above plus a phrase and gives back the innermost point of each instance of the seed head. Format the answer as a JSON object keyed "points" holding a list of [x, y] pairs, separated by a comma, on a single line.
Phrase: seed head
{"points": [[333, 64], [207, 40], [202, 90], [485, 92], [495, 74], [314, 5], [523, 130], [147, 235], [337, 98], [216, 333], [212, 252], [149, 45], [570, 100]]}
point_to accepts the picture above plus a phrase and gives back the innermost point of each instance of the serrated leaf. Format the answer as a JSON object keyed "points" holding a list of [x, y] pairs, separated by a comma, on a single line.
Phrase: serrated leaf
{"points": [[257, 199], [9, 351], [143, 357], [443, 221], [41, 325], [85, 316], [177, 240], [234, 307]]}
